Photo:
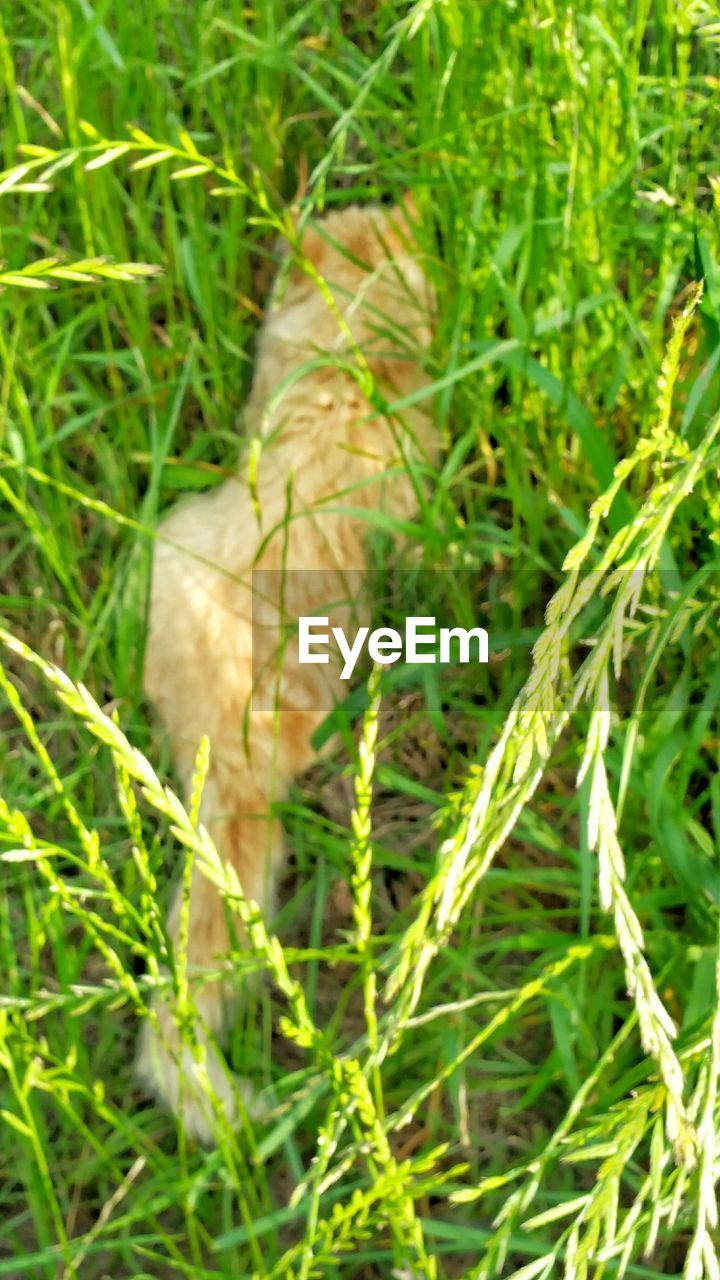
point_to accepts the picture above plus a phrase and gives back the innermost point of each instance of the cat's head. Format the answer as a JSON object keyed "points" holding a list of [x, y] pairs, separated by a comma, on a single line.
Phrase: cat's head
{"points": [[369, 261]]}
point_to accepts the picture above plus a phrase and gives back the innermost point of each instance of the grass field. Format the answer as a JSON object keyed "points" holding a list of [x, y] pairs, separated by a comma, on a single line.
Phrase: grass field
{"points": [[533, 1088]]}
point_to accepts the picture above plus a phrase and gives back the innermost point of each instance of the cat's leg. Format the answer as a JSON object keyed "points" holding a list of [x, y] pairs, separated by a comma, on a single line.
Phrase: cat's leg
{"points": [[182, 1076]]}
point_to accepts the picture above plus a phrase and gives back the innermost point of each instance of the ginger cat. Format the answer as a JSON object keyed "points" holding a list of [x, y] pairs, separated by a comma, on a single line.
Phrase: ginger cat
{"points": [[361, 299]]}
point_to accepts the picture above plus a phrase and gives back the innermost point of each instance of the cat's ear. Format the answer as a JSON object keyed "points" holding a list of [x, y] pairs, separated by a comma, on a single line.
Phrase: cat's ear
{"points": [[298, 233], [314, 247], [404, 218], [406, 212], [299, 237], [408, 203]]}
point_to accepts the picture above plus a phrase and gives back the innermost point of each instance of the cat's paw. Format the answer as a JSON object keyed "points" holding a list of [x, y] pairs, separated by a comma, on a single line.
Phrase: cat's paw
{"points": [[203, 1090]]}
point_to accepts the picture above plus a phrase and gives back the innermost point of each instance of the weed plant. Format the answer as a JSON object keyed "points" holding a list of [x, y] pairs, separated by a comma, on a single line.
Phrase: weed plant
{"points": [[488, 1035]]}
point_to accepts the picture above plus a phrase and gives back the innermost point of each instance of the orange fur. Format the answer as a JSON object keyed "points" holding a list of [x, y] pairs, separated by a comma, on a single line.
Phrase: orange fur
{"points": [[321, 444]]}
